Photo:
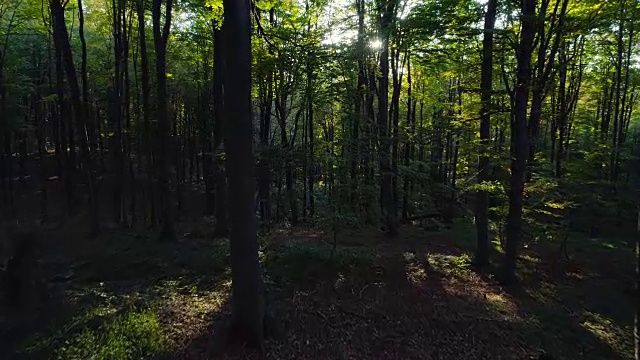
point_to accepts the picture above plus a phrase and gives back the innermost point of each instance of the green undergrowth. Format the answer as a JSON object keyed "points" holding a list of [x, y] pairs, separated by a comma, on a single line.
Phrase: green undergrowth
{"points": [[133, 335], [102, 333]]}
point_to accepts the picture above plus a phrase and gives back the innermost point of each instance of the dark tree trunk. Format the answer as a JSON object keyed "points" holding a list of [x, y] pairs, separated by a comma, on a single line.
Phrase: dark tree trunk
{"points": [[311, 159], [116, 108], [613, 163], [562, 112], [219, 67], [309, 121], [408, 144], [60, 31], [387, 11], [248, 300], [623, 101], [264, 187], [146, 123], [62, 114], [520, 143], [394, 113], [357, 150], [636, 328], [544, 65], [160, 37]]}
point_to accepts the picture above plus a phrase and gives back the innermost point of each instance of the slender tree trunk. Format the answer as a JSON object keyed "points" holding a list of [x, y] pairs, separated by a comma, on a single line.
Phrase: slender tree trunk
{"points": [[486, 82], [636, 332], [42, 158], [408, 144], [357, 149], [520, 143], [127, 24], [395, 116], [265, 166], [62, 114], [116, 109], [310, 157], [281, 99], [60, 30], [146, 123], [545, 62], [248, 299], [219, 76], [387, 11], [613, 163], [625, 90], [562, 113], [160, 37]]}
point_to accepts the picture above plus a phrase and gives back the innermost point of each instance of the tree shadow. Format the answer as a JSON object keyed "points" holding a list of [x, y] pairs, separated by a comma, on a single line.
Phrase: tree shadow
{"points": [[120, 275], [575, 312], [414, 297], [386, 300]]}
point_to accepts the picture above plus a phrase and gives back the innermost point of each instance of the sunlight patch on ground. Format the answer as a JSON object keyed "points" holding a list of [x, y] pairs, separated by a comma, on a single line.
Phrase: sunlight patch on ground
{"points": [[503, 305], [455, 265], [132, 335], [414, 271], [545, 293], [185, 317], [607, 331]]}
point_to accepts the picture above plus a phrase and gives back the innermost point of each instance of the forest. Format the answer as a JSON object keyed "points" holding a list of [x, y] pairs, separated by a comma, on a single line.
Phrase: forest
{"points": [[317, 179]]}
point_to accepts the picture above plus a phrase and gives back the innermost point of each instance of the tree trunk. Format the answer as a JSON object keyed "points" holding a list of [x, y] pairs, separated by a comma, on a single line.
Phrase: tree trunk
{"points": [[395, 116], [543, 69], [636, 333], [146, 123], [222, 221], [562, 112], [408, 144], [309, 121], [160, 37], [613, 163], [248, 300], [519, 134], [387, 10], [60, 31], [265, 167], [116, 108]]}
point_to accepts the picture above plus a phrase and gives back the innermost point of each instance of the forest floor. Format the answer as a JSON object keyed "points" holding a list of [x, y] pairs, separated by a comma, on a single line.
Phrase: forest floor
{"points": [[123, 295]]}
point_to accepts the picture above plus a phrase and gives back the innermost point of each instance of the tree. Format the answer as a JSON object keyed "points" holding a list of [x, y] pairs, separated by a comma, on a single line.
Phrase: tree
{"points": [[519, 142], [248, 301], [386, 13], [62, 40], [486, 82], [222, 223], [160, 38], [146, 94], [637, 319]]}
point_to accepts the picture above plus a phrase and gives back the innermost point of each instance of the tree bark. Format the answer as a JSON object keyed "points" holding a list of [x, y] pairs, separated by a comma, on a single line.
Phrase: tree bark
{"points": [[160, 37], [248, 300], [387, 12], [613, 163], [221, 188], [408, 143], [519, 134], [146, 123], [636, 332], [60, 31]]}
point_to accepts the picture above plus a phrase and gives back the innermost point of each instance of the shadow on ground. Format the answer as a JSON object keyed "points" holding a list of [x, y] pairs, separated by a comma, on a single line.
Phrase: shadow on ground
{"points": [[414, 297], [115, 292]]}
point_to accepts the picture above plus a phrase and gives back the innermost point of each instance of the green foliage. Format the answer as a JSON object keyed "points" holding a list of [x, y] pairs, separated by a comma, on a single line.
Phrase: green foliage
{"points": [[132, 334], [135, 335]]}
